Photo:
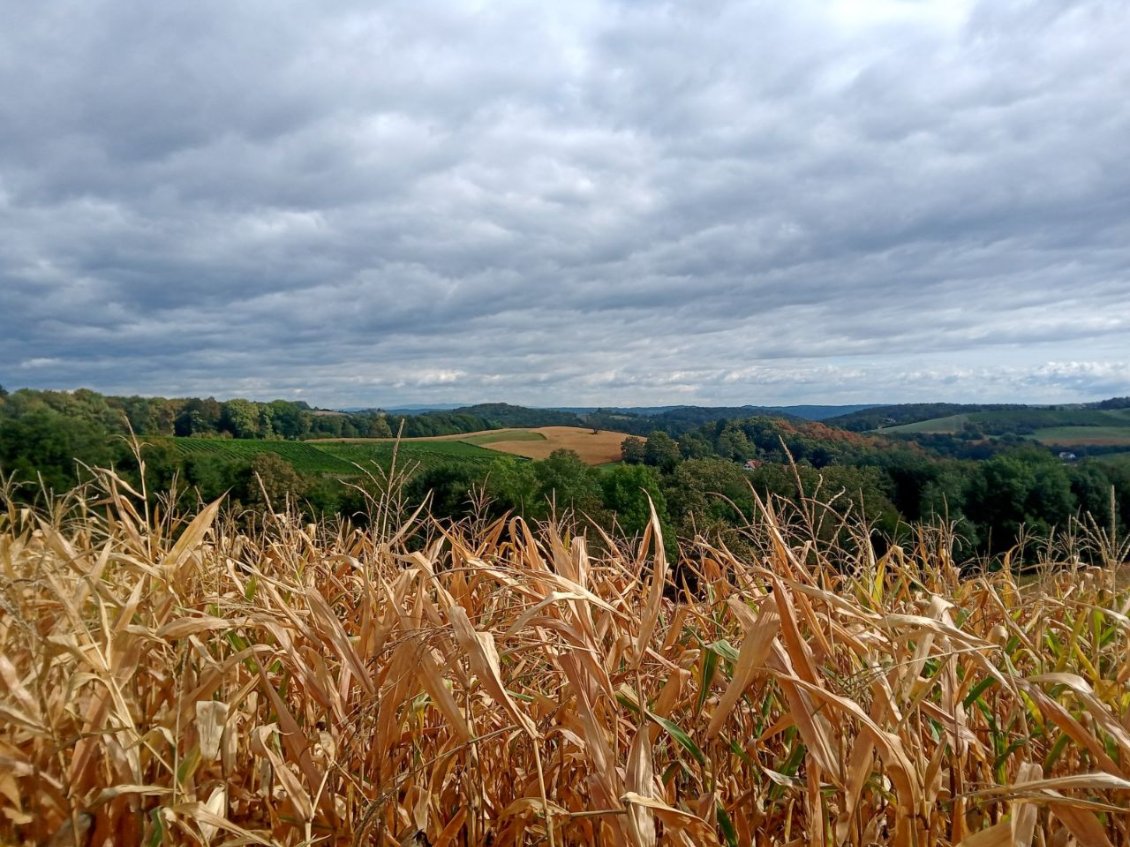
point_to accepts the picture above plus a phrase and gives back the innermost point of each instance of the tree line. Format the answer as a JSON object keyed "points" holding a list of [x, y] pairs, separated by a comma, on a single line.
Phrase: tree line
{"points": [[235, 418], [891, 483], [702, 482]]}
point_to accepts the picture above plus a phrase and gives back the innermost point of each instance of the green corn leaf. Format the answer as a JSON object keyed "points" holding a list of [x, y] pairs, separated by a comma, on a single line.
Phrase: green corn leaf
{"points": [[684, 740]]}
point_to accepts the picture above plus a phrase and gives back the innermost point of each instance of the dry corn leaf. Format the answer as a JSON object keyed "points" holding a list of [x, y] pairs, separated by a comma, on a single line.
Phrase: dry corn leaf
{"points": [[997, 835], [190, 539], [654, 534], [262, 744], [480, 649], [1084, 825], [674, 819], [755, 649], [211, 718], [640, 780]]}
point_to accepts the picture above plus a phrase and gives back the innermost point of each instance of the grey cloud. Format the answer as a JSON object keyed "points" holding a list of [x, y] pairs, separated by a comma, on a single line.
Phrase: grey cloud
{"points": [[597, 202]]}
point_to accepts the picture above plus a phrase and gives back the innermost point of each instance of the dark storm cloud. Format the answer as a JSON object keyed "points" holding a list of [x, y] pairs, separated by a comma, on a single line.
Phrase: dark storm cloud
{"points": [[567, 203]]}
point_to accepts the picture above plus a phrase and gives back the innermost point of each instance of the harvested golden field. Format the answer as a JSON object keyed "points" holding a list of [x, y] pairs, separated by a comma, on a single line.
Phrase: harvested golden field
{"points": [[594, 448], [185, 679]]}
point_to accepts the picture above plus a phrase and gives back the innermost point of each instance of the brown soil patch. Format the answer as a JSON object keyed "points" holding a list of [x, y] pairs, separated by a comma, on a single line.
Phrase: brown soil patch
{"points": [[1085, 441], [594, 448]]}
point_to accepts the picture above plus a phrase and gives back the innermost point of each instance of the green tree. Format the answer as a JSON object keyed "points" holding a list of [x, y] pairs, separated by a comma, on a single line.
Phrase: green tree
{"points": [[661, 451], [694, 446], [164, 416], [273, 481], [198, 417], [625, 490], [735, 445], [265, 429], [1029, 487], [513, 485], [567, 482], [632, 450], [909, 474], [867, 491], [240, 418], [288, 419], [54, 446], [450, 485], [706, 493], [212, 475], [378, 427], [1090, 485]]}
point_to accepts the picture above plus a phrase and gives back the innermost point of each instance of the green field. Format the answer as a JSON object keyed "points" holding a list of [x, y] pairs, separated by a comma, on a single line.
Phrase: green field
{"points": [[934, 426], [304, 457], [424, 454], [341, 458]]}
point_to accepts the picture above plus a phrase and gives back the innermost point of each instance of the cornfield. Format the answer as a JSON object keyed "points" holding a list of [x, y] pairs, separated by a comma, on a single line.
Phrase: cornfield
{"points": [[213, 678]]}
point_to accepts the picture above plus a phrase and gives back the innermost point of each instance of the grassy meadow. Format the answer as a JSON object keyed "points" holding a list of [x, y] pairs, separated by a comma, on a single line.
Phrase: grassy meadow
{"points": [[947, 425], [204, 678]]}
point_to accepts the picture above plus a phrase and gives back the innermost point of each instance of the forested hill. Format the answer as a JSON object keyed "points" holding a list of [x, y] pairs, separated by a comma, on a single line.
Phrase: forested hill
{"points": [[1006, 416], [500, 415], [677, 420], [899, 414], [763, 438]]}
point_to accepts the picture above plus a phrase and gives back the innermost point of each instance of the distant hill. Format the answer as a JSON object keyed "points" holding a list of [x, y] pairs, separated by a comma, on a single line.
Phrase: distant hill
{"points": [[423, 410], [1086, 423], [503, 415], [674, 420], [403, 410], [978, 431], [880, 417], [997, 418], [807, 412], [810, 412], [823, 413], [643, 411], [1100, 424], [634, 420]]}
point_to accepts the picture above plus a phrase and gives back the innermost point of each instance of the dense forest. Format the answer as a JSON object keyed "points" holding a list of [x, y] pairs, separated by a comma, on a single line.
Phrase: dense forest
{"points": [[701, 476], [237, 418]]}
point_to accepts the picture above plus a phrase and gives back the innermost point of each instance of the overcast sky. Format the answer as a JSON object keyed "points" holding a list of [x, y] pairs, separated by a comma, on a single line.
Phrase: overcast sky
{"points": [[567, 203]]}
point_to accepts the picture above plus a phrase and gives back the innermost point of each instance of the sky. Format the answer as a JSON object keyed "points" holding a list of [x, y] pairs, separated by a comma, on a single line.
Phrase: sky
{"points": [[576, 203]]}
